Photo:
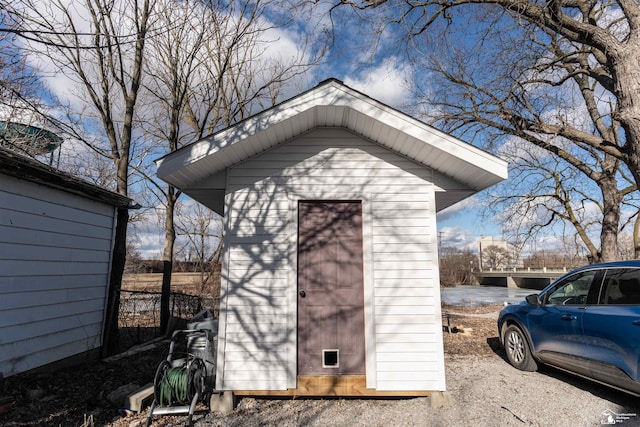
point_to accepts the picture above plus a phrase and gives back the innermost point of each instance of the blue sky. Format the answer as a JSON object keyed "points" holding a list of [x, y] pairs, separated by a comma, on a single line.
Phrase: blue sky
{"points": [[362, 54], [461, 225]]}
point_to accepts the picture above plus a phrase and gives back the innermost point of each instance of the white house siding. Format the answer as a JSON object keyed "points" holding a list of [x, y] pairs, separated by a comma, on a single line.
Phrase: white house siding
{"points": [[55, 251], [258, 313]]}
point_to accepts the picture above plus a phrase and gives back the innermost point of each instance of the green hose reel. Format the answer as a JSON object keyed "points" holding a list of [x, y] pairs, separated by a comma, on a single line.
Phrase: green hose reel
{"points": [[184, 379], [179, 385]]}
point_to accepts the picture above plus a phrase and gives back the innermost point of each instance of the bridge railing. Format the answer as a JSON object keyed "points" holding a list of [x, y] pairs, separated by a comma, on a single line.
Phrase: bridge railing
{"points": [[524, 270]]}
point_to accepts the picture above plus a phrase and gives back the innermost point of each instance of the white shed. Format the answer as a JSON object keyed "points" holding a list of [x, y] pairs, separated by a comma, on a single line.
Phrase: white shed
{"points": [[56, 243], [330, 282]]}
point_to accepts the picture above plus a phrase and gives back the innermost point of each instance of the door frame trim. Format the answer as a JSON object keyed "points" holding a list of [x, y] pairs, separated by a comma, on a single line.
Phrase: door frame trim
{"points": [[368, 291]]}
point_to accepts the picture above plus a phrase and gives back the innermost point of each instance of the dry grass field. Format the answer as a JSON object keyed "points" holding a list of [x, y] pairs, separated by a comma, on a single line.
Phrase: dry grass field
{"points": [[187, 283]]}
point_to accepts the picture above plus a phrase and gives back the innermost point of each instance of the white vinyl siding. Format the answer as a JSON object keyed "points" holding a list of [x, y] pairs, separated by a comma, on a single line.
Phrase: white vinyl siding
{"points": [[258, 311], [55, 252]]}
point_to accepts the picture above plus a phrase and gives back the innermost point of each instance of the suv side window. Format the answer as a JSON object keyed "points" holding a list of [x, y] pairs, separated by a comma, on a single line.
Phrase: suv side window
{"points": [[621, 287], [573, 290]]}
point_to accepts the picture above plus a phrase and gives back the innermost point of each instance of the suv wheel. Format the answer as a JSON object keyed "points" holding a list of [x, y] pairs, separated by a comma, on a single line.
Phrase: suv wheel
{"points": [[518, 351]]}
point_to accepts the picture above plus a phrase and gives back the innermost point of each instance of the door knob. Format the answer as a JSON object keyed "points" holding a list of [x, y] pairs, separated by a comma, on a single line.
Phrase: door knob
{"points": [[302, 293]]}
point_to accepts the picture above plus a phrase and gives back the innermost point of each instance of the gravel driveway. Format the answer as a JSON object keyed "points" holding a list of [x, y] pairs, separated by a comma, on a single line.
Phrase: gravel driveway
{"points": [[486, 391]]}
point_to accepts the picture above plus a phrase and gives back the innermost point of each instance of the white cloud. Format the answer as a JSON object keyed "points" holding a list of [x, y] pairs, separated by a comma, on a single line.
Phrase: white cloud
{"points": [[470, 203], [458, 237], [389, 82]]}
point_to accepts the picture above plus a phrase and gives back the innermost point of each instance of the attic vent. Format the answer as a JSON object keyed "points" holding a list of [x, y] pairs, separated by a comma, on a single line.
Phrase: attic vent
{"points": [[331, 358]]}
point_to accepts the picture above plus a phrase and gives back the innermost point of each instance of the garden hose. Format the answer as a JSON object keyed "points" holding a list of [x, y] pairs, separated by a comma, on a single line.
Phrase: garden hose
{"points": [[174, 387], [179, 385]]}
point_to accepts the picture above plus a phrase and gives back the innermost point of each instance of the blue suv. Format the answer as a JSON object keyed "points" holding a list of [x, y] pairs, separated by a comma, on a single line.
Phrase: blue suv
{"points": [[587, 322]]}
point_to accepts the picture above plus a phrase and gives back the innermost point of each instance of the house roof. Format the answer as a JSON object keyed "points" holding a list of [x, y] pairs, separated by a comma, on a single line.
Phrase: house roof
{"points": [[20, 166], [333, 104]]}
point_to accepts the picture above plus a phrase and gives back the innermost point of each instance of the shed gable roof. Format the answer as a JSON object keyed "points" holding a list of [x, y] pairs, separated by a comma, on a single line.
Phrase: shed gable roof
{"points": [[333, 104]]}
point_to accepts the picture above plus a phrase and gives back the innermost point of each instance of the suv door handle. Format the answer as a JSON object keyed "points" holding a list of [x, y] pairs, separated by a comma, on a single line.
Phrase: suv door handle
{"points": [[568, 317], [636, 323]]}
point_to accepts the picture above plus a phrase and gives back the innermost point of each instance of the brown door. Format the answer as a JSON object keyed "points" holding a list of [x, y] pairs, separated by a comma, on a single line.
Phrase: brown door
{"points": [[330, 289]]}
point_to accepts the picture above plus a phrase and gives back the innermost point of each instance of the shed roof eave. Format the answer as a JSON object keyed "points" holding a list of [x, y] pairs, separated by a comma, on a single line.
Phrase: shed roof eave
{"points": [[22, 167], [340, 106], [474, 168]]}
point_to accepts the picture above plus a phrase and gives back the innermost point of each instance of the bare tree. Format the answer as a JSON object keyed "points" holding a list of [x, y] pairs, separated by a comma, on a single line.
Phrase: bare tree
{"points": [[201, 230], [626, 245], [545, 191], [99, 45], [173, 59], [557, 74], [24, 128], [457, 266], [208, 70], [596, 42], [495, 257], [557, 258]]}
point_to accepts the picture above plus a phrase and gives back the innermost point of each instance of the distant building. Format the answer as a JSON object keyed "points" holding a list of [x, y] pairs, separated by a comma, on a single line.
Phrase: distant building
{"points": [[496, 253]]}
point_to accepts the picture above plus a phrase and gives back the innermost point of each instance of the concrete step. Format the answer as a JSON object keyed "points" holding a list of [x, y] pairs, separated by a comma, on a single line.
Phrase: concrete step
{"points": [[140, 398]]}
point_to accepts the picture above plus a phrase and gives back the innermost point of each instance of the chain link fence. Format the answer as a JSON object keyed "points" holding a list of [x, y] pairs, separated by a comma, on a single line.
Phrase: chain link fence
{"points": [[139, 316]]}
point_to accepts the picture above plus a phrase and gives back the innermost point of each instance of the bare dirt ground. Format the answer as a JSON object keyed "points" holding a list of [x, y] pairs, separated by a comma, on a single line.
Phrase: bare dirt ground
{"points": [[485, 391], [474, 331], [67, 396]]}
